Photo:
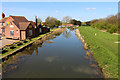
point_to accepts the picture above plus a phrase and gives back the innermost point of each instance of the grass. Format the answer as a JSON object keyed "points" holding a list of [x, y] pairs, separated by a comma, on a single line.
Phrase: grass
{"points": [[105, 51], [32, 40]]}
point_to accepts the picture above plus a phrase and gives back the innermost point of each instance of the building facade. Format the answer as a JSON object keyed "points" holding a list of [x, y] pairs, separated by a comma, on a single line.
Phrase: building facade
{"points": [[18, 27]]}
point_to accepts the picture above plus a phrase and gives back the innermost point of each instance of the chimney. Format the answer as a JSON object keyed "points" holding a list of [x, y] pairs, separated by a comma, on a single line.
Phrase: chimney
{"points": [[3, 15], [36, 21]]}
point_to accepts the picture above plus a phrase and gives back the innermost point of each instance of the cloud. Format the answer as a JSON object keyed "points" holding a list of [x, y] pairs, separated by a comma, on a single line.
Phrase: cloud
{"points": [[94, 8], [95, 13], [87, 8], [51, 59], [91, 8], [56, 11], [108, 8]]}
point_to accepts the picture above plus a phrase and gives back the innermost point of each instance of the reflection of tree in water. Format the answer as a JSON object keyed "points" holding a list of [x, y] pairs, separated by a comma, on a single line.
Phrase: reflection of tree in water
{"points": [[57, 34], [30, 50], [71, 28], [67, 34]]}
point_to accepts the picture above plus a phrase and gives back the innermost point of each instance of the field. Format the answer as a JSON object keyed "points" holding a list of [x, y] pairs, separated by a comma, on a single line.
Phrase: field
{"points": [[104, 50]]}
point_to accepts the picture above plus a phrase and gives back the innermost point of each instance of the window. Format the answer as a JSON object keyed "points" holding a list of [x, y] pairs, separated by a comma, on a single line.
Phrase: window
{"points": [[30, 32], [3, 30], [11, 26], [40, 30], [12, 33], [17, 31], [1, 24], [6, 23]]}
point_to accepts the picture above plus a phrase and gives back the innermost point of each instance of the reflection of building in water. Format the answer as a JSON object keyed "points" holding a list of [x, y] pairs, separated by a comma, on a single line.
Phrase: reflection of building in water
{"points": [[71, 29], [67, 34], [36, 51], [30, 50]]}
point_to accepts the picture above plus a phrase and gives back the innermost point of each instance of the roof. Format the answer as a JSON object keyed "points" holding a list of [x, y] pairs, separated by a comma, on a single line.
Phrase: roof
{"points": [[64, 24], [20, 21], [23, 25], [19, 18], [3, 19], [33, 23]]}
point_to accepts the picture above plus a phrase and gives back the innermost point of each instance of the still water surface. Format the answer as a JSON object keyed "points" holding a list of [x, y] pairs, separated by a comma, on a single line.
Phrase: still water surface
{"points": [[60, 57]]}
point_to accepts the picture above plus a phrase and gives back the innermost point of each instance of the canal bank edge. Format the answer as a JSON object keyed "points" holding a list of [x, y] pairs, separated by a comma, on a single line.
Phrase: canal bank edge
{"points": [[24, 46], [110, 69], [86, 47]]}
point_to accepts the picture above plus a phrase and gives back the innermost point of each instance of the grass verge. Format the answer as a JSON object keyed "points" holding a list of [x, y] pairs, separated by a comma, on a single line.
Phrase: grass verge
{"points": [[105, 51]]}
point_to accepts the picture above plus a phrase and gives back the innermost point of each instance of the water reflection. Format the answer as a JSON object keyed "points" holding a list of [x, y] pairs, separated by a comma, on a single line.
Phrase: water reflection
{"points": [[57, 59], [67, 33], [51, 59]]}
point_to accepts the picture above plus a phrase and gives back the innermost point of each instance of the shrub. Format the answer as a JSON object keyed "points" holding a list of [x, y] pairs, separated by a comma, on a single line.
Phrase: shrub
{"points": [[110, 24], [19, 43], [24, 41], [12, 46], [112, 28], [4, 50]]}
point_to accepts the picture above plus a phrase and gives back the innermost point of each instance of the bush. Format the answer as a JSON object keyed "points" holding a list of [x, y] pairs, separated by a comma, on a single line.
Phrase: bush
{"points": [[24, 41], [112, 28], [12, 46], [110, 24], [4, 50], [20, 43]]}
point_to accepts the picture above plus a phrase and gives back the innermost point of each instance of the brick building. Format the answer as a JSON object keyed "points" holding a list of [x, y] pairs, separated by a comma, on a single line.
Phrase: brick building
{"points": [[18, 27], [66, 25]]}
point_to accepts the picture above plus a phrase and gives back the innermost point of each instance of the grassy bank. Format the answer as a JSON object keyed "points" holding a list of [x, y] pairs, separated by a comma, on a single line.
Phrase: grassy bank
{"points": [[105, 51]]}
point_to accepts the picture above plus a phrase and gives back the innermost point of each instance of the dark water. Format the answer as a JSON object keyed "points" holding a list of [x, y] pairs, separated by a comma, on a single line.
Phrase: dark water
{"points": [[64, 58]]}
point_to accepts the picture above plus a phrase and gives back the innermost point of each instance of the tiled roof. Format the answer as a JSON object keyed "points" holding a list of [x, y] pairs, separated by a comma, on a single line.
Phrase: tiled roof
{"points": [[23, 25], [20, 21], [33, 23], [19, 18], [63, 24]]}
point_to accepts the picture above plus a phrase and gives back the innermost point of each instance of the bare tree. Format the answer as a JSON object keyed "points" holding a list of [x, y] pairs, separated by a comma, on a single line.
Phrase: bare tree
{"points": [[66, 19], [39, 20]]}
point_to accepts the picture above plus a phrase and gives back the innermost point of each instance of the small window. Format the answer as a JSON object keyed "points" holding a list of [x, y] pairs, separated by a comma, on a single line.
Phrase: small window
{"points": [[40, 30], [6, 23], [11, 26], [1, 24], [17, 31], [3, 30], [30, 32], [12, 33]]}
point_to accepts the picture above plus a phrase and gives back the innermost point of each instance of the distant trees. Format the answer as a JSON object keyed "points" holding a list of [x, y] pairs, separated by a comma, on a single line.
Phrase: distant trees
{"points": [[88, 23], [110, 24], [52, 22], [66, 19], [75, 22], [39, 20]]}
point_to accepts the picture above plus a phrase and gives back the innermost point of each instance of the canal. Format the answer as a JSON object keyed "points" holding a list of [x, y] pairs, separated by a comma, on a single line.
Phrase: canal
{"points": [[61, 55]]}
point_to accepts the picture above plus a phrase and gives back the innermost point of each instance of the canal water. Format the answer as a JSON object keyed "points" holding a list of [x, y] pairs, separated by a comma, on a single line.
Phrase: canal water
{"points": [[61, 55]]}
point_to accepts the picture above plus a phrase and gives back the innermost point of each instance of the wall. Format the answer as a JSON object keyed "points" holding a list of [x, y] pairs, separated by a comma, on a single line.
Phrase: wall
{"points": [[14, 28], [33, 32]]}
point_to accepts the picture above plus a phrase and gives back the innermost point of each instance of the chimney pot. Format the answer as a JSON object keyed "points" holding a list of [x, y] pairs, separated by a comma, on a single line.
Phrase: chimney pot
{"points": [[3, 15], [36, 21]]}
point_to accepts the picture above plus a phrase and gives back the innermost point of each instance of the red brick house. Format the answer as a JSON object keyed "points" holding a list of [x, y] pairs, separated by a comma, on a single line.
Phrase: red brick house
{"points": [[40, 29], [18, 27], [66, 25]]}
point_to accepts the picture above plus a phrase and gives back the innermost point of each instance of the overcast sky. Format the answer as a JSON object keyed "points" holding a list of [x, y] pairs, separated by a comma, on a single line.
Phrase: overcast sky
{"points": [[83, 11]]}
